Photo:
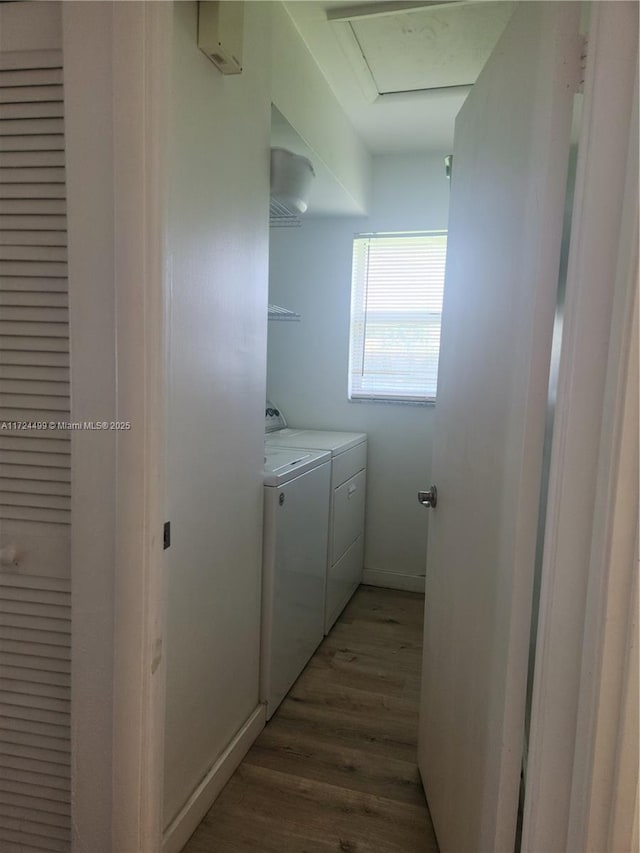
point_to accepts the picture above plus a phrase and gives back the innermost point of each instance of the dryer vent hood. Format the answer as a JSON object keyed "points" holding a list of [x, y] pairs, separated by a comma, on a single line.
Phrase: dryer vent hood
{"points": [[291, 176]]}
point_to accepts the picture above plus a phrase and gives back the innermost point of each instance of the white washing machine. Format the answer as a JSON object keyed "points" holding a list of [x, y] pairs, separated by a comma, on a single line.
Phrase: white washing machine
{"points": [[296, 525], [345, 545]]}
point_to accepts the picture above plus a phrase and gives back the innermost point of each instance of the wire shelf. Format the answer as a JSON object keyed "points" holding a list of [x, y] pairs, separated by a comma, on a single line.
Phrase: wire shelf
{"points": [[281, 217], [277, 313]]}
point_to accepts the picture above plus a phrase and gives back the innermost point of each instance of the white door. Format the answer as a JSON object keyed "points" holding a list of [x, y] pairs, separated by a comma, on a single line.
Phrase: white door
{"points": [[507, 198], [35, 469]]}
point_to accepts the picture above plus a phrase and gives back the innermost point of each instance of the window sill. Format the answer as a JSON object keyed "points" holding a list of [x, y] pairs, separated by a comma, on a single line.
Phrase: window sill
{"points": [[391, 401]]}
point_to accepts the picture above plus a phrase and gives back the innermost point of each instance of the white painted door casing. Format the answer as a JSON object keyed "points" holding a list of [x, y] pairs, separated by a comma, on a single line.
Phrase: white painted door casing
{"points": [[573, 800]]}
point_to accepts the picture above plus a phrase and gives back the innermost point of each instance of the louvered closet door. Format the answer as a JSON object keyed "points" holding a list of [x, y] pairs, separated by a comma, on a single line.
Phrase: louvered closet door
{"points": [[35, 611]]}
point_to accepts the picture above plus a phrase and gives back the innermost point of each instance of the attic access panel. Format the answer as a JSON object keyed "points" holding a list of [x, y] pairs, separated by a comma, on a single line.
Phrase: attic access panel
{"points": [[430, 48]]}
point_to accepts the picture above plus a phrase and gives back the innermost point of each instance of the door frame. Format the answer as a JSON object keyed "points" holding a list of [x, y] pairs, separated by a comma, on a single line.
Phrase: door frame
{"points": [[142, 99], [117, 102], [605, 773], [582, 611]]}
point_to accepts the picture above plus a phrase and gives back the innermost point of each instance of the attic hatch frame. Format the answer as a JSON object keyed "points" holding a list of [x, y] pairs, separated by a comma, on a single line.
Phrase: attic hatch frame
{"points": [[342, 22]]}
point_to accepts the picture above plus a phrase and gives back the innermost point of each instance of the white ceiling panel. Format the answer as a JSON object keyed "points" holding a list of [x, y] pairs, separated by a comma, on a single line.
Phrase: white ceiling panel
{"points": [[430, 48]]}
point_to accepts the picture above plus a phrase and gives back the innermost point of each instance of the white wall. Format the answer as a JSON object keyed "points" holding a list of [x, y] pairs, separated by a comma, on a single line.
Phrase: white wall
{"points": [[310, 272], [218, 240]]}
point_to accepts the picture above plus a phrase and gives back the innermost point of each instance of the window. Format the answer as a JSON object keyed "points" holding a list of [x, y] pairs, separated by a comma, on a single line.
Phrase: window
{"points": [[396, 309]]}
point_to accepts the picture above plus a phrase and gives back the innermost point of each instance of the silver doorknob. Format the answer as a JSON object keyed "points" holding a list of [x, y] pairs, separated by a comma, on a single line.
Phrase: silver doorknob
{"points": [[429, 498]]}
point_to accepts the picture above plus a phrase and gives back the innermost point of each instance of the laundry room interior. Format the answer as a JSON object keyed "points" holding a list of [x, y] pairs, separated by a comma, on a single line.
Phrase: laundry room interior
{"points": [[378, 165], [394, 181]]}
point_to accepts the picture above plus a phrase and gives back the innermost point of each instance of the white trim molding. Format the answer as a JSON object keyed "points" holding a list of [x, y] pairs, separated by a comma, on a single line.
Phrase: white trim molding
{"points": [[393, 580], [605, 773], [87, 51], [118, 79], [142, 40], [578, 562], [186, 822]]}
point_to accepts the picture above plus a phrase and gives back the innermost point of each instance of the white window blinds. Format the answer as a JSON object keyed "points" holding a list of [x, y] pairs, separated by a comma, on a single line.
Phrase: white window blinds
{"points": [[396, 309]]}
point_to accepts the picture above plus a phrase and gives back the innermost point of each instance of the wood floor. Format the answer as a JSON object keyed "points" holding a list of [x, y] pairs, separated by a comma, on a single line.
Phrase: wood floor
{"points": [[335, 768]]}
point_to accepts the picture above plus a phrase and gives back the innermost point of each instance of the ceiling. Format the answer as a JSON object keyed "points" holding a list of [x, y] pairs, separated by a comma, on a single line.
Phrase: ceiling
{"points": [[401, 70]]}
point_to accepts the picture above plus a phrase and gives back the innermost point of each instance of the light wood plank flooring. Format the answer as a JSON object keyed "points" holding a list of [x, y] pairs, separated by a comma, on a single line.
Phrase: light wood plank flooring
{"points": [[335, 768]]}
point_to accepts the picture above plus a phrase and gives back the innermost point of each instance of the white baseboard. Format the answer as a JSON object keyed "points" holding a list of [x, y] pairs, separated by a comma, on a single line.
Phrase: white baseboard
{"points": [[185, 823], [393, 580]]}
